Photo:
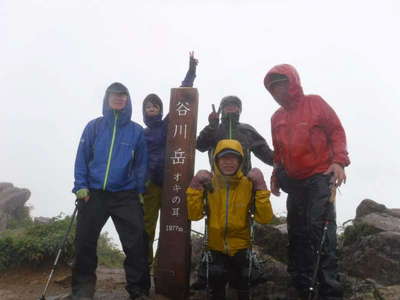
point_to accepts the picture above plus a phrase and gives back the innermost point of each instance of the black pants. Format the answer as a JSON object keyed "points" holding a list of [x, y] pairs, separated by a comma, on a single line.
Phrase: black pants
{"points": [[127, 214], [228, 269], [308, 209]]}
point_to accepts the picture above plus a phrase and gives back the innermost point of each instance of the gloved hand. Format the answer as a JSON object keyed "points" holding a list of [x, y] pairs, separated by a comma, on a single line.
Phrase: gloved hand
{"points": [[193, 62], [82, 194], [213, 119], [257, 177], [202, 178], [141, 199]]}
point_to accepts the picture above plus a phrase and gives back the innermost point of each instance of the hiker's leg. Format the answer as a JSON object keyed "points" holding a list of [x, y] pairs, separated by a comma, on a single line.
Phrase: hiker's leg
{"points": [[321, 211], [151, 207], [217, 275], [92, 216], [239, 271], [127, 215], [300, 255]]}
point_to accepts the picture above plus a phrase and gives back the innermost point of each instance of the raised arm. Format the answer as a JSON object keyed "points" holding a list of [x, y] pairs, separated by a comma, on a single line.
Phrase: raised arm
{"points": [[191, 73], [261, 149]]}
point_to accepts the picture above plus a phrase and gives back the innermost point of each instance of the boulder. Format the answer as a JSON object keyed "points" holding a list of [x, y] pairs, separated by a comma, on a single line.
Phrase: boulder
{"points": [[368, 206], [380, 221], [374, 256], [12, 202]]}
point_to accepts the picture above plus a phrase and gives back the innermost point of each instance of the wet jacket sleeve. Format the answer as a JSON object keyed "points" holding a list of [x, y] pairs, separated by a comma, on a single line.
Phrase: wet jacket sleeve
{"points": [[260, 148], [140, 163], [277, 155], [189, 78], [263, 213], [206, 139], [83, 156], [194, 202], [335, 133]]}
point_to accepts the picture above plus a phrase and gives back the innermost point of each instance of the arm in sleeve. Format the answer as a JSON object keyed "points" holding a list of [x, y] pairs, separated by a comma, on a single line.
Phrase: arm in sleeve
{"points": [[335, 133], [261, 149], [83, 156], [206, 138], [140, 163], [189, 78], [191, 73], [194, 202], [263, 212]]}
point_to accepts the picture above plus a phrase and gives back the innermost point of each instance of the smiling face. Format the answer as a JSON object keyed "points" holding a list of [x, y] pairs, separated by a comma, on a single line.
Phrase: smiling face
{"points": [[117, 101], [228, 164], [151, 109]]}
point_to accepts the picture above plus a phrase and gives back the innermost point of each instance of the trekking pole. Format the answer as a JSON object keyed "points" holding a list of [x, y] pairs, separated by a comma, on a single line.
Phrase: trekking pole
{"points": [[207, 188], [43, 297], [313, 289], [251, 220]]}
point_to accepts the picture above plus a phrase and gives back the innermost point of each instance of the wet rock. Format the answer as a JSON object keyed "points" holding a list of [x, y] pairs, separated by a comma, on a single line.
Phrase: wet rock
{"points": [[375, 256], [368, 206], [381, 222], [273, 240]]}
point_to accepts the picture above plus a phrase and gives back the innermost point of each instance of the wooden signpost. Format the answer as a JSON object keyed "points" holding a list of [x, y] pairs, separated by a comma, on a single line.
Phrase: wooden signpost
{"points": [[172, 271]]}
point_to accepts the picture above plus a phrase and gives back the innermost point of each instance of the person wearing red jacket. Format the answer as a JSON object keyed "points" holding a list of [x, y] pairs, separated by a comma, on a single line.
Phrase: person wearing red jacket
{"points": [[309, 160]]}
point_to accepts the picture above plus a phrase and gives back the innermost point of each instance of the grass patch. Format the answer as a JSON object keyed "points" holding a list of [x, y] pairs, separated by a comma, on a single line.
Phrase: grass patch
{"points": [[33, 244]]}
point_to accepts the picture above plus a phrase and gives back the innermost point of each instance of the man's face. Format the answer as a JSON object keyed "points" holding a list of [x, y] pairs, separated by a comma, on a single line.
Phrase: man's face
{"points": [[280, 92], [228, 164], [117, 101], [151, 110], [231, 108]]}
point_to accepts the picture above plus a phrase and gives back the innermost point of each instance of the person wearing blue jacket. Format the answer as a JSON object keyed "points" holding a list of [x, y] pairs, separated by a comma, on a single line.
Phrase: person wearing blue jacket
{"points": [[156, 134], [110, 173]]}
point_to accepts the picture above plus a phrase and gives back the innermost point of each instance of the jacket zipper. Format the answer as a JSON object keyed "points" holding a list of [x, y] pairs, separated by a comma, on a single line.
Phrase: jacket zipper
{"points": [[110, 151], [230, 128], [226, 219]]}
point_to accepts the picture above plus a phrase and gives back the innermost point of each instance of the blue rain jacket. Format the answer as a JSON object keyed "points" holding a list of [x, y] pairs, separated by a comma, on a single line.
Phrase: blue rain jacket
{"points": [[112, 164]]}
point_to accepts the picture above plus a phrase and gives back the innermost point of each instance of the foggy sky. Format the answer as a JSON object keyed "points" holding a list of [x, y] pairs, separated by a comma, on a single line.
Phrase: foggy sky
{"points": [[58, 57]]}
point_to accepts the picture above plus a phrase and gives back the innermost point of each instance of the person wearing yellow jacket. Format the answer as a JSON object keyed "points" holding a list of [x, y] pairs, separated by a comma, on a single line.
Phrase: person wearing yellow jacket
{"points": [[229, 202]]}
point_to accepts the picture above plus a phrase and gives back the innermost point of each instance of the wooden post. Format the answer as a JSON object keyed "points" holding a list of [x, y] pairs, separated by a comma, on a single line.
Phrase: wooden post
{"points": [[172, 271]]}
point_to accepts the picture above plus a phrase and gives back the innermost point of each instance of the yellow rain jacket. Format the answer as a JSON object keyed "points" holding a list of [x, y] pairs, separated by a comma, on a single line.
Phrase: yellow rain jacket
{"points": [[228, 205]]}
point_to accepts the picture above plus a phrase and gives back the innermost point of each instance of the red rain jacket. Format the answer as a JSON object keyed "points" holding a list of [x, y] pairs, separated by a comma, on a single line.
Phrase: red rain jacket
{"points": [[307, 134]]}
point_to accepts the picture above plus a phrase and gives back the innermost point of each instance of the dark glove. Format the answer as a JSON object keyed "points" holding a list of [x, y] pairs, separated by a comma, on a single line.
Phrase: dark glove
{"points": [[213, 119], [257, 177], [202, 178], [193, 62]]}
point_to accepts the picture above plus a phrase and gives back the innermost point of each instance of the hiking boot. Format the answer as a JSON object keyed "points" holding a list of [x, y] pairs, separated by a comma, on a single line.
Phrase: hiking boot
{"points": [[199, 284]]}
